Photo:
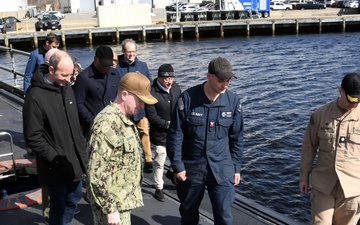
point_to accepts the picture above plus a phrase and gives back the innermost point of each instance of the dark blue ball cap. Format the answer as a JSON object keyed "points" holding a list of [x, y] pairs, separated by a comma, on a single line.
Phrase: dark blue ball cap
{"points": [[351, 86], [105, 55], [221, 68]]}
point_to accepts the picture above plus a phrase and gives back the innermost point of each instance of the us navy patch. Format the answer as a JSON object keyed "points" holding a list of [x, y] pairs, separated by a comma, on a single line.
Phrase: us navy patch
{"points": [[196, 114], [226, 114], [356, 130], [239, 108]]}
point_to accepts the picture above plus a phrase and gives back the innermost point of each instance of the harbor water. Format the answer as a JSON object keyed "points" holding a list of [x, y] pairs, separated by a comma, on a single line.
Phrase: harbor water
{"points": [[281, 80]]}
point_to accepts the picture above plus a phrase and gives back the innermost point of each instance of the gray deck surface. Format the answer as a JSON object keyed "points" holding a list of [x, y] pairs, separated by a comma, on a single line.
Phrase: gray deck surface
{"points": [[153, 212]]}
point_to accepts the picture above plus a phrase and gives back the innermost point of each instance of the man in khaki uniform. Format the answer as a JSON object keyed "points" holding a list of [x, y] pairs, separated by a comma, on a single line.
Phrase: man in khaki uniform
{"points": [[114, 168], [333, 134]]}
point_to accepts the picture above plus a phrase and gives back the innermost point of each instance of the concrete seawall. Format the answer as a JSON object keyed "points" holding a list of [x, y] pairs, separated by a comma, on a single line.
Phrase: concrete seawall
{"points": [[88, 19]]}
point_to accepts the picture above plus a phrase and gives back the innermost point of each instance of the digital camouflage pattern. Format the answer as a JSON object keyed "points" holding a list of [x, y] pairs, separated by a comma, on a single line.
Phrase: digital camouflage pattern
{"points": [[114, 169]]}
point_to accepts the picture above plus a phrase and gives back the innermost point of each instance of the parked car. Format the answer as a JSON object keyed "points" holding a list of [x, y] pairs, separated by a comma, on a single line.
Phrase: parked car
{"points": [[180, 4], [329, 2], [204, 3], [48, 21], [190, 8], [292, 2], [168, 7], [56, 13], [280, 6], [209, 6], [9, 23], [338, 4], [310, 5], [2, 26], [351, 4]]}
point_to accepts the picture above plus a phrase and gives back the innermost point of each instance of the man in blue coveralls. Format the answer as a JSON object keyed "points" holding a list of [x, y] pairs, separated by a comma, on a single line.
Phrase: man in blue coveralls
{"points": [[204, 144]]}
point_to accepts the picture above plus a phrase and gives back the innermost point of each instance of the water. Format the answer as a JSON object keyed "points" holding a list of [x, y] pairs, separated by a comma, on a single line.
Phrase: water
{"points": [[281, 80]]}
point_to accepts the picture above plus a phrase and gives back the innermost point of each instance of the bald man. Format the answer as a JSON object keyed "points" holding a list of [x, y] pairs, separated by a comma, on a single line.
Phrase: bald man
{"points": [[52, 131]]}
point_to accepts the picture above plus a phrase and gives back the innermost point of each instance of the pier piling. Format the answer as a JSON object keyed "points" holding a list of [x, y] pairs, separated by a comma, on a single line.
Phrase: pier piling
{"points": [[197, 31], [181, 32], [297, 26], [90, 37], [35, 40], [63, 39], [221, 30], [273, 28], [117, 34], [143, 33]]}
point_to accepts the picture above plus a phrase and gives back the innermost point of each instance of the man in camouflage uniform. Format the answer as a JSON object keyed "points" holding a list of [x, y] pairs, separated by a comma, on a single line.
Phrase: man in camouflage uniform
{"points": [[114, 170]]}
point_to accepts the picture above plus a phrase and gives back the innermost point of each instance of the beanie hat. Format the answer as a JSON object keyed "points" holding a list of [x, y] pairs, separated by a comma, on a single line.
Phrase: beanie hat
{"points": [[166, 70]]}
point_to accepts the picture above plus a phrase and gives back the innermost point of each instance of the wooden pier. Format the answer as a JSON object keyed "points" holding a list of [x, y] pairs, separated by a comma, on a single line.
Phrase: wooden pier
{"points": [[190, 29]]}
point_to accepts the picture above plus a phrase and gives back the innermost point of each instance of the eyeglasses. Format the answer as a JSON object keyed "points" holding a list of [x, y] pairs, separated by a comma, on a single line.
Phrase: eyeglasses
{"points": [[167, 79]]}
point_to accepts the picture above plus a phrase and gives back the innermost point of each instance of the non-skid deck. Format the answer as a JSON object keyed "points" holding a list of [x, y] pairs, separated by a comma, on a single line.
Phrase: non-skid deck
{"points": [[245, 211]]}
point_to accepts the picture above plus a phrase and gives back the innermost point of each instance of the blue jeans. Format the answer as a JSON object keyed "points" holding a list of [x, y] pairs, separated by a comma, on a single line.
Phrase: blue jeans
{"points": [[63, 202]]}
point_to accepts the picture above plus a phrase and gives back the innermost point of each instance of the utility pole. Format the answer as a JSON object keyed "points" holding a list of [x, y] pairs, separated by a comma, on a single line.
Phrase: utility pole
{"points": [[177, 11]]}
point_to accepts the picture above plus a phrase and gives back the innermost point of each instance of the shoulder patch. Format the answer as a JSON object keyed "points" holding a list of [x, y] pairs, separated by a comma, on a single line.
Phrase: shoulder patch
{"points": [[239, 108], [180, 104], [312, 121]]}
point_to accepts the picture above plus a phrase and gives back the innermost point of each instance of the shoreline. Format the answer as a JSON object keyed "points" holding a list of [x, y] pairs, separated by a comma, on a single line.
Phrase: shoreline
{"points": [[83, 27], [88, 19]]}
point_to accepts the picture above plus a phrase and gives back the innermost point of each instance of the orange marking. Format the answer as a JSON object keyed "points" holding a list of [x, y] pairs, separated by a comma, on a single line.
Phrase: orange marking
{"points": [[22, 201], [20, 163]]}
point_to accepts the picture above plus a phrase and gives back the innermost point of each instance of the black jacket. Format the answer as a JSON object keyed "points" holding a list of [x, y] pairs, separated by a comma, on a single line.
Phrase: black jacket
{"points": [[52, 131], [94, 91], [159, 115]]}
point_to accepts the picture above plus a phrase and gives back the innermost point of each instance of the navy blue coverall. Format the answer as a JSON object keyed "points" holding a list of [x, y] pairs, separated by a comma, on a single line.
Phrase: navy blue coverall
{"points": [[206, 141]]}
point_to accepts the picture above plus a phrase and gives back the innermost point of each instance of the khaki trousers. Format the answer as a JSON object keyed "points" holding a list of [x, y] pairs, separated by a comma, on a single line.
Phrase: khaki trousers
{"points": [[143, 128], [159, 162], [334, 208]]}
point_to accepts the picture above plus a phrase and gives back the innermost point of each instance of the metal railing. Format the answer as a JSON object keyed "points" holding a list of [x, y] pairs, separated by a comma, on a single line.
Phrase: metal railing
{"points": [[9, 171], [13, 88]]}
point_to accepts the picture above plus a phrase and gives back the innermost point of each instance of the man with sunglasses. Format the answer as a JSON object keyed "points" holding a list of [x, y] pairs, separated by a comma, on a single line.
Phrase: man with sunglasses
{"points": [[96, 87], [333, 137]]}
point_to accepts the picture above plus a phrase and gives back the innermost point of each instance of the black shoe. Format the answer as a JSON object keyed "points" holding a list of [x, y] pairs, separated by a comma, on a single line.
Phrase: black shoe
{"points": [[171, 176], [159, 195], [148, 166], [77, 211]]}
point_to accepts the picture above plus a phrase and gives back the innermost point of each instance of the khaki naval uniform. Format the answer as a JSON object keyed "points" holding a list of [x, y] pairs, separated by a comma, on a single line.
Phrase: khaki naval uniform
{"points": [[114, 169], [335, 137]]}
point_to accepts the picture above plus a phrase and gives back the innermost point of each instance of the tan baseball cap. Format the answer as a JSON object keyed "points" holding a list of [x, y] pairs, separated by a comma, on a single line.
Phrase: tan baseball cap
{"points": [[139, 85]]}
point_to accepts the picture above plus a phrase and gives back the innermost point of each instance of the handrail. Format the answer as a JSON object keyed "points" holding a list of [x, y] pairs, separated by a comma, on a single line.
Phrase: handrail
{"points": [[14, 89], [11, 153]]}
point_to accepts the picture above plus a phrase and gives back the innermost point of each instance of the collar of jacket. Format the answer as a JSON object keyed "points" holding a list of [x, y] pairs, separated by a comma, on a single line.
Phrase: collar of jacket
{"points": [[42, 50], [124, 63], [96, 73]]}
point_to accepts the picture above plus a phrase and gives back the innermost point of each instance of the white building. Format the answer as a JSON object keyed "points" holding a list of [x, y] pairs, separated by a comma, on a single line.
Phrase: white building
{"points": [[13, 5]]}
